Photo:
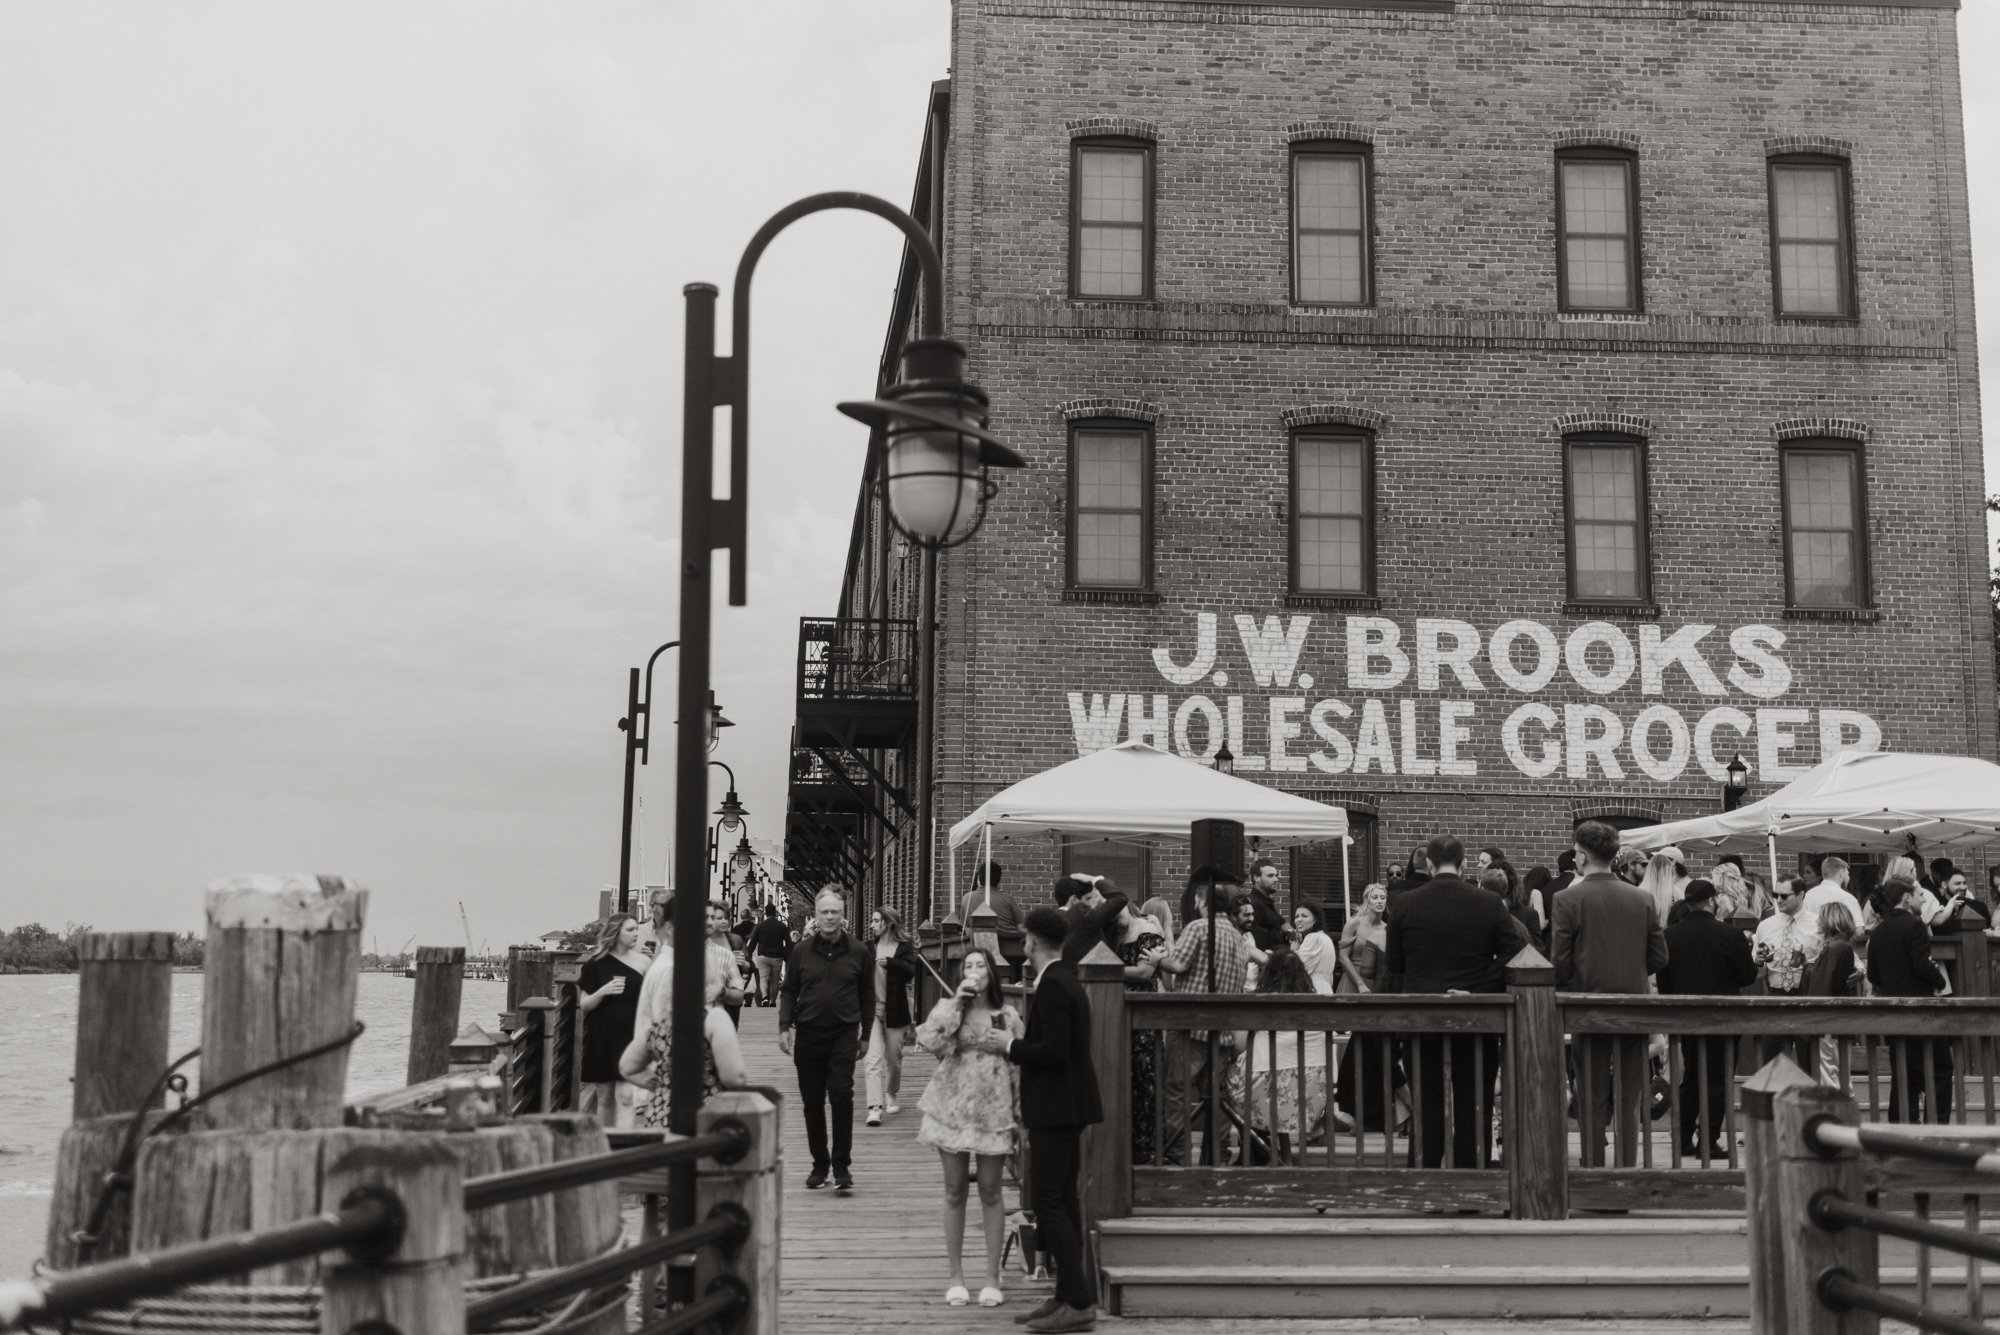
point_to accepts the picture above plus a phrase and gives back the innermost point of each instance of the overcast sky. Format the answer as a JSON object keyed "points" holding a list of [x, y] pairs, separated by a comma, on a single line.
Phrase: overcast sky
{"points": [[339, 424]]}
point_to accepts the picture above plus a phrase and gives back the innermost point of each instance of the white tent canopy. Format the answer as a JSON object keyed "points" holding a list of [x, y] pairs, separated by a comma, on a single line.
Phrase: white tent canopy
{"points": [[1136, 793], [1862, 800]]}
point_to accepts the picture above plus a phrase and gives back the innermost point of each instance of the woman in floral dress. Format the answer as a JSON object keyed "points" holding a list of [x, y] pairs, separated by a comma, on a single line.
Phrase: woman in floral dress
{"points": [[1142, 944], [648, 1060], [969, 1114]]}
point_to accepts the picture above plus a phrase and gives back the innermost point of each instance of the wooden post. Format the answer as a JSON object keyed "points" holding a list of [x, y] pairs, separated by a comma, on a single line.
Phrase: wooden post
{"points": [[752, 1183], [418, 1286], [588, 1223], [524, 1063], [434, 1012], [1975, 979], [124, 1000], [1107, 1153], [125, 989], [474, 1051], [1760, 1192], [283, 956], [1809, 1250], [1536, 1109]]}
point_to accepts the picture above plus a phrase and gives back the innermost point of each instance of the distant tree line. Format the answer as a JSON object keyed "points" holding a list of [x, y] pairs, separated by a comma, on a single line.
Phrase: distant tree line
{"points": [[36, 949]]}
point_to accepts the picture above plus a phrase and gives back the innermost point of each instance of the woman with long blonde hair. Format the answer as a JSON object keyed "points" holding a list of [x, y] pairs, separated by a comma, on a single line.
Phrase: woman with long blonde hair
{"points": [[607, 995]]}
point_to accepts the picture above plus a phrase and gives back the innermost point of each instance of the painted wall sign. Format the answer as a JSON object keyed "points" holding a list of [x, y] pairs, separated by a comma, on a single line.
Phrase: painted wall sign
{"points": [[1430, 697]]}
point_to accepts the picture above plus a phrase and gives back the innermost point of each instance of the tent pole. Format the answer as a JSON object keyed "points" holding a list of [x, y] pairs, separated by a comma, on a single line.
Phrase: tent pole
{"points": [[1771, 844], [1346, 889]]}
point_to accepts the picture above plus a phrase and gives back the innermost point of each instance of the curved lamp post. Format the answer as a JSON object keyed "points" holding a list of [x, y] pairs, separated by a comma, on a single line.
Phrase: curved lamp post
{"points": [[637, 725], [936, 453]]}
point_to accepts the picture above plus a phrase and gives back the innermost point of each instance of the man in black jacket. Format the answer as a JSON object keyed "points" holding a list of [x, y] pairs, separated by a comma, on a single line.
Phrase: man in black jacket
{"points": [[1267, 924], [1448, 935], [825, 1008], [1705, 958], [1900, 965], [772, 942], [1058, 1100]]}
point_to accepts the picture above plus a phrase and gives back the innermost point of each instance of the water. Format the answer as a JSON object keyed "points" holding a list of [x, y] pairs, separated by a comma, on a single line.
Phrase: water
{"points": [[38, 1054]]}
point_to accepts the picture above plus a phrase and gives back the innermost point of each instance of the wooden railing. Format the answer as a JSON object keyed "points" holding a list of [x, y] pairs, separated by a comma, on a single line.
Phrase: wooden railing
{"points": [[1484, 1092], [394, 1250], [1844, 1218]]}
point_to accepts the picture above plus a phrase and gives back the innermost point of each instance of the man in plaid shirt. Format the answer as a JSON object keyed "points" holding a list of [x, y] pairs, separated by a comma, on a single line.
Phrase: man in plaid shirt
{"points": [[1188, 970]]}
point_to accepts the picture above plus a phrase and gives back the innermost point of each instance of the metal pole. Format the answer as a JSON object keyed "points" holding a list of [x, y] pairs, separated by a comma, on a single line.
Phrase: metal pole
{"points": [[691, 753], [926, 729], [631, 722]]}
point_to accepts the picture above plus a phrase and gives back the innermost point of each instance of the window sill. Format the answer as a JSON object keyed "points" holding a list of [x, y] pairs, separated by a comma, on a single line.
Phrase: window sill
{"points": [[1818, 319], [1645, 610], [1334, 602], [1833, 614], [1130, 597], [1603, 317], [1310, 308], [1093, 303]]}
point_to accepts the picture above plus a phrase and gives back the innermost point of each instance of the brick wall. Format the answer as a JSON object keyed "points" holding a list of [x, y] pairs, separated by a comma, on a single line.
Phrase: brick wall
{"points": [[1465, 371]]}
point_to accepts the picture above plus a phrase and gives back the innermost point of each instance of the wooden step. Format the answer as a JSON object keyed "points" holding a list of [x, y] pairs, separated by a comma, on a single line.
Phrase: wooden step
{"points": [[1430, 1291], [1716, 1240]]}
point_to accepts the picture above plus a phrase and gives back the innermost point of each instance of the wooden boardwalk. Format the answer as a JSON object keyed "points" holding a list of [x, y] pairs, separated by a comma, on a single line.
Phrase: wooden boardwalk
{"points": [[874, 1261]]}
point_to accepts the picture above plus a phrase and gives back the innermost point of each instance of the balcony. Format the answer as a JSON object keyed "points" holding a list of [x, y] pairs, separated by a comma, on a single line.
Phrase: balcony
{"points": [[829, 781], [857, 683]]}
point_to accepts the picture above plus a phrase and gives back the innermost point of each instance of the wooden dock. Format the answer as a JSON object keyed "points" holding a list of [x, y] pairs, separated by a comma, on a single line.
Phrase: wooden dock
{"points": [[874, 1261]]}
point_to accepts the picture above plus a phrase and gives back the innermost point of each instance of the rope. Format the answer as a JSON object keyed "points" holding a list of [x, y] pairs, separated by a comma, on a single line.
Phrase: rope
{"points": [[119, 1179]]}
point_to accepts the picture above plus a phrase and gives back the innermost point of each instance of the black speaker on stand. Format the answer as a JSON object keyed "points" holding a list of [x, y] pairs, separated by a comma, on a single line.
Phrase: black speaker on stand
{"points": [[1217, 844]]}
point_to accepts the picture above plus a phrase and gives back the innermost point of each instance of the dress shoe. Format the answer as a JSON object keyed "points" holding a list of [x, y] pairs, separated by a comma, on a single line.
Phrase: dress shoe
{"points": [[1049, 1307], [1066, 1318]]}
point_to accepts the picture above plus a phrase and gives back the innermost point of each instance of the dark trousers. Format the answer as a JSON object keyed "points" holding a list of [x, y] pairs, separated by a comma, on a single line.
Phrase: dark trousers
{"points": [[1605, 1100], [1911, 1089], [1715, 1051], [1801, 1048], [1471, 1098], [1055, 1160], [824, 1056]]}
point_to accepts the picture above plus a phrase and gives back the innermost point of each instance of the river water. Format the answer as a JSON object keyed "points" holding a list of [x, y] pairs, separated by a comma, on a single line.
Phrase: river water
{"points": [[38, 1054]]}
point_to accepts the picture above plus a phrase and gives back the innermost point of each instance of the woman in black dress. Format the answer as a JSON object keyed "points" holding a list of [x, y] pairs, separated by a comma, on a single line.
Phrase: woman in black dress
{"points": [[1142, 941], [608, 995]]}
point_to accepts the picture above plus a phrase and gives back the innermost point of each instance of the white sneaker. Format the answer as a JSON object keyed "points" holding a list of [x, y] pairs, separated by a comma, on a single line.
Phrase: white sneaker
{"points": [[892, 1107], [874, 1117]]}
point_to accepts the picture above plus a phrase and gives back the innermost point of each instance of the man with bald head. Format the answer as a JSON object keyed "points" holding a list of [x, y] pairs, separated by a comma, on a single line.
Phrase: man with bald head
{"points": [[825, 1009]]}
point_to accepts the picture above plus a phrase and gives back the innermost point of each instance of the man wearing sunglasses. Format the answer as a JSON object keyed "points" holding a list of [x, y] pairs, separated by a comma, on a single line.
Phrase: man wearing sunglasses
{"points": [[1784, 947]]}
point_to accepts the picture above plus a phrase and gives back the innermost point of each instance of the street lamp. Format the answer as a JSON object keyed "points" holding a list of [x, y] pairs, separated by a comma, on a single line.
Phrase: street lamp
{"points": [[1225, 760], [929, 421], [732, 811], [638, 729], [1736, 784]]}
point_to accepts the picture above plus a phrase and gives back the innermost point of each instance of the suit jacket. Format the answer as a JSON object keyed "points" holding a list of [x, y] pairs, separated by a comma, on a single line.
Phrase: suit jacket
{"points": [[1058, 1083], [1448, 933], [1607, 938], [1267, 925], [1706, 958], [1899, 957]]}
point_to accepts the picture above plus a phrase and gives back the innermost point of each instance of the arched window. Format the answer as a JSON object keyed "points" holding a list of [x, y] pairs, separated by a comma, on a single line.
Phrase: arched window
{"points": [[1597, 230], [1332, 246]]}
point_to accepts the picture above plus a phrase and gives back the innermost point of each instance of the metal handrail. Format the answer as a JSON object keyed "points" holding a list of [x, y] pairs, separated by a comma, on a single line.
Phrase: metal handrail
{"points": [[1841, 1291], [727, 1225], [726, 1143], [372, 1220], [1830, 1137], [1832, 1211]]}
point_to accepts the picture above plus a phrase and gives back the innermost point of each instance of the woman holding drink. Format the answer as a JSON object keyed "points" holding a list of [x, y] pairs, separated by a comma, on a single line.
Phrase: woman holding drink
{"points": [[969, 1114]]}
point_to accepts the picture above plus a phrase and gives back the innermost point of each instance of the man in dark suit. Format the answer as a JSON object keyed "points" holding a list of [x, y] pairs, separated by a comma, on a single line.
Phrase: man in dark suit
{"points": [[1608, 938], [1705, 958], [1450, 936], [1058, 1100], [1900, 965]]}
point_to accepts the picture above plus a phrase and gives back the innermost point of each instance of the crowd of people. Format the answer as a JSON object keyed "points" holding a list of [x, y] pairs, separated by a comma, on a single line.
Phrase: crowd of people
{"points": [[1020, 1082]]}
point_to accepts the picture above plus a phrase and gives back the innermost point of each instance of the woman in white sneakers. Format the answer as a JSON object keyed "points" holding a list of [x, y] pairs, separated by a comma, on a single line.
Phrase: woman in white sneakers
{"points": [[969, 1114]]}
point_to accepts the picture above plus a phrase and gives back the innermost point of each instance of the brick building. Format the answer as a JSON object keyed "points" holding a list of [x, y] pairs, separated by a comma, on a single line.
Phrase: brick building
{"points": [[1481, 415]]}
